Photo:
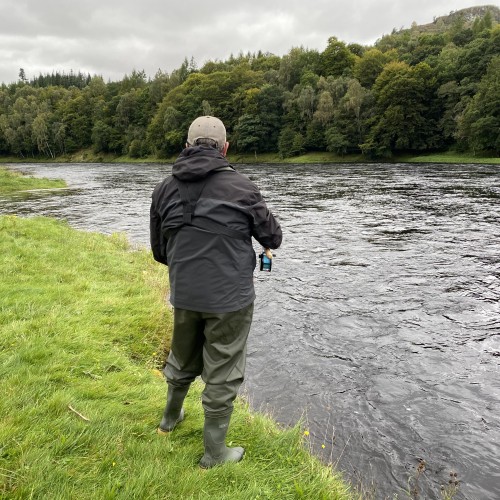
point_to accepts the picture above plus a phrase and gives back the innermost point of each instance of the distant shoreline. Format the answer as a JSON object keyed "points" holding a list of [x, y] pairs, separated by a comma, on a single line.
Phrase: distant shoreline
{"points": [[88, 156]]}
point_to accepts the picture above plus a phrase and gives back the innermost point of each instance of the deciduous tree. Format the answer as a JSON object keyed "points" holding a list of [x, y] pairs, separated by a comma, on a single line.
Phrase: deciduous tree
{"points": [[480, 124]]}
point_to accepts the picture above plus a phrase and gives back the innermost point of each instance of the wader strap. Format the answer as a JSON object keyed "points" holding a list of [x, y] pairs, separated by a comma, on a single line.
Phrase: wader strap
{"points": [[189, 202]]}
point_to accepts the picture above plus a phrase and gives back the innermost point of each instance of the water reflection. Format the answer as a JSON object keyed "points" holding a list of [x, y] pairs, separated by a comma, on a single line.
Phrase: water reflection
{"points": [[380, 319]]}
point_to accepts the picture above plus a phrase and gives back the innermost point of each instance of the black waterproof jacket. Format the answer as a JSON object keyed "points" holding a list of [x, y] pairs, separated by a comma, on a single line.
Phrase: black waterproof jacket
{"points": [[210, 271]]}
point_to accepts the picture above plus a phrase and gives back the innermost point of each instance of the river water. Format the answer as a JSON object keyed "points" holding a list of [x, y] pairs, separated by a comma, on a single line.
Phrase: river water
{"points": [[380, 322]]}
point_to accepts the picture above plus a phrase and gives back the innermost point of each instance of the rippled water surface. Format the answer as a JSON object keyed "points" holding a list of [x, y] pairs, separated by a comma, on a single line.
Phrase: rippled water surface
{"points": [[380, 320]]}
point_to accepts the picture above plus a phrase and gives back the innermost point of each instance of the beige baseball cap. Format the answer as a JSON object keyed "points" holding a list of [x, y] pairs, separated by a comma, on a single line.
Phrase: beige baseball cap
{"points": [[207, 127]]}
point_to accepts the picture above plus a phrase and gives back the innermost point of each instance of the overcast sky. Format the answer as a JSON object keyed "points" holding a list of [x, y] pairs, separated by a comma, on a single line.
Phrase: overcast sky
{"points": [[113, 37]]}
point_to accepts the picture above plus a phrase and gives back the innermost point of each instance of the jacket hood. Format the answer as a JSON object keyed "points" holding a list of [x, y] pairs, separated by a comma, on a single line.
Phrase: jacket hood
{"points": [[195, 163]]}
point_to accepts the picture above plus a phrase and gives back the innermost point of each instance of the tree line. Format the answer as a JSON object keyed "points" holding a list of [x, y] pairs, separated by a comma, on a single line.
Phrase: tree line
{"points": [[414, 90]]}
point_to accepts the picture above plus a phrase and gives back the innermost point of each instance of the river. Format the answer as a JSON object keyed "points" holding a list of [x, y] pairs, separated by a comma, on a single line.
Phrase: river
{"points": [[380, 322]]}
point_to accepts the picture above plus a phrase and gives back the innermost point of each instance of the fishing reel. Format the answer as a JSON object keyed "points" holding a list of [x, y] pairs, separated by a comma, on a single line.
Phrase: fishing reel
{"points": [[266, 260]]}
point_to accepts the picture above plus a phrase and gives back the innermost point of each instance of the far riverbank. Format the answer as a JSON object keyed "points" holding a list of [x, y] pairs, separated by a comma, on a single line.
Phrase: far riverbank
{"points": [[88, 156]]}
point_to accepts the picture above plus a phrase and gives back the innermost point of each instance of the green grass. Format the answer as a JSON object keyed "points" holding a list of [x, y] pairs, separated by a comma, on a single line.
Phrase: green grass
{"points": [[11, 182], [311, 157], [326, 157], [84, 329], [450, 157]]}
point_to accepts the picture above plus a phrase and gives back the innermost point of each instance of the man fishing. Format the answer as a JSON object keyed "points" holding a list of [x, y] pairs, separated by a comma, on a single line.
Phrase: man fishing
{"points": [[203, 218]]}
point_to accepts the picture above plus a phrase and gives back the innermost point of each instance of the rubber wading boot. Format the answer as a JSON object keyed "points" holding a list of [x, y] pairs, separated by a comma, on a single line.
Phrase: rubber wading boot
{"points": [[174, 412], [214, 437]]}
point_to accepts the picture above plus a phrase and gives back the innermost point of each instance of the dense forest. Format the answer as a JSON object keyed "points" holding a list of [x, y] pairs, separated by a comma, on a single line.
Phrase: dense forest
{"points": [[427, 88]]}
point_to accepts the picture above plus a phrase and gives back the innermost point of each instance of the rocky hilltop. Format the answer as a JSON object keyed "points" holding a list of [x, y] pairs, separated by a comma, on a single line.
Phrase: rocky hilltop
{"points": [[468, 16]]}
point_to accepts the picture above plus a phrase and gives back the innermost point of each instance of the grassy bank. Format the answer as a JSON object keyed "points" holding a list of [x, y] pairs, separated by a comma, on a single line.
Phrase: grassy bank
{"points": [[84, 328], [312, 157], [13, 181], [450, 157], [88, 156]]}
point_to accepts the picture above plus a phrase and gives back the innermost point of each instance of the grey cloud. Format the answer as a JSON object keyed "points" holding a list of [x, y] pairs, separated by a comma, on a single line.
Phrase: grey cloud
{"points": [[113, 37]]}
